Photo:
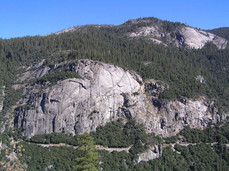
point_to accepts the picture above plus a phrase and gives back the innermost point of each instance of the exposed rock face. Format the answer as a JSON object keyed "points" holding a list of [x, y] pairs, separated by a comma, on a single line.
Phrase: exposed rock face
{"points": [[152, 153], [200, 78], [105, 93], [76, 105], [154, 87], [2, 94], [161, 32], [34, 71], [154, 33], [182, 37], [196, 39], [167, 118]]}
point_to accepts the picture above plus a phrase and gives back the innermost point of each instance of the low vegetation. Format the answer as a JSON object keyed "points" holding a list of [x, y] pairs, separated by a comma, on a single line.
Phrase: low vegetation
{"points": [[55, 76], [199, 156]]}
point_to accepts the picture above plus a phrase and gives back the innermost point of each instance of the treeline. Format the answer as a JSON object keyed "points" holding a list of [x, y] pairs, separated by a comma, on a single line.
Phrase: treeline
{"points": [[222, 32], [113, 135], [200, 156], [53, 77], [134, 25], [118, 135], [214, 133], [54, 138], [38, 158], [196, 157]]}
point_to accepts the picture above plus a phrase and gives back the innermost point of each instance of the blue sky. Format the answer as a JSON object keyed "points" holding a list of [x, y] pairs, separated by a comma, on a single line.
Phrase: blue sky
{"points": [[39, 17]]}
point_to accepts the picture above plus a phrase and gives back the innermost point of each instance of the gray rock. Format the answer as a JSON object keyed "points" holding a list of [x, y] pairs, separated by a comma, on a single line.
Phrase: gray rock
{"points": [[196, 39], [167, 118], [151, 153], [154, 87], [200, 78], [78, 105], [2, 95], [105, 93], [184, 37]]}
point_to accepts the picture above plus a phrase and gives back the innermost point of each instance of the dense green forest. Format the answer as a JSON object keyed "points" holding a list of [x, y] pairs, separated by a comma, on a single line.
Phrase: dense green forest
{"points": [[205, 149], [222, 32], [176, 67]]}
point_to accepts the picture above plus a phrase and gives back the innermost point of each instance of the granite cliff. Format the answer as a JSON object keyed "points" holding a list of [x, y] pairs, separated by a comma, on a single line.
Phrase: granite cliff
{"points": [[183, 36], [102, 94]]}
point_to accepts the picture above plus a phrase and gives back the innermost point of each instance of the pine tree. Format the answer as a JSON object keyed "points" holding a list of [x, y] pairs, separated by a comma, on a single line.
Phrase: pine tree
{"points": [[88, 159]]}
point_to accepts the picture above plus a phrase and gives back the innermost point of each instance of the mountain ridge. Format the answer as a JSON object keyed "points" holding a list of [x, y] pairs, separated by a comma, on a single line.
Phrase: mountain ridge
{"points": [[221, 31], [161, 32], [140, 92]]}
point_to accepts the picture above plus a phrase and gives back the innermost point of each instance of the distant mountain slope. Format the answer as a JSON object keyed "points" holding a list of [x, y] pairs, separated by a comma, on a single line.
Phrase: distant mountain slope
{"points": [[161, 32], [84, 28], [173, 33], [180, 68], [164, 75], [222, 32]]}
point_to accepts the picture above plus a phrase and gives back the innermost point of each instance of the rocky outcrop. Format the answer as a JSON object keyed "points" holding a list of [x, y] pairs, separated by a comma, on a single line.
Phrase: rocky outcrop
{"points": [[154, 33], [2, 95], [77, 105], [154, 87], [105, 93], [167, 118], [160, 32], [181, 37], [200, 78], [151, 153], [196, 39]]}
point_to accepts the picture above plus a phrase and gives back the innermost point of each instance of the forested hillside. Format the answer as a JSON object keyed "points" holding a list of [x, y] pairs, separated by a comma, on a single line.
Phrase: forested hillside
{"points": [[223, 32], [192, 149], [179, 68]]}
